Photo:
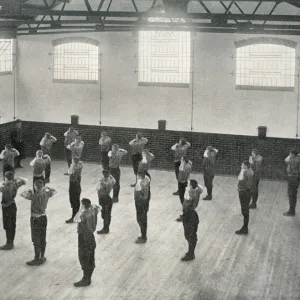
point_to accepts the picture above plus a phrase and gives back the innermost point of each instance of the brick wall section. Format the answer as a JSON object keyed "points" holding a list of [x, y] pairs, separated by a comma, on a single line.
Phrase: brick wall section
{"points": [[233, 149]]}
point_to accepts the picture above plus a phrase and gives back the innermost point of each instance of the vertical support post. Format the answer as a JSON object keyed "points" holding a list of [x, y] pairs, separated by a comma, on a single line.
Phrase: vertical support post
{"points": [[100, 89], [192, 81]]}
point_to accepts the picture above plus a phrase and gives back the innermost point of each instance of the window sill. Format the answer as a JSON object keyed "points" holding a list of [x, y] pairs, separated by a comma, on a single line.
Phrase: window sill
{"points": [[163, 84], [265, 88]]}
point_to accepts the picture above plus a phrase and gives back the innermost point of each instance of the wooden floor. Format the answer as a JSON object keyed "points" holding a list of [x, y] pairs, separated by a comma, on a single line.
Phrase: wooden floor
{"points": [[263, 265]]}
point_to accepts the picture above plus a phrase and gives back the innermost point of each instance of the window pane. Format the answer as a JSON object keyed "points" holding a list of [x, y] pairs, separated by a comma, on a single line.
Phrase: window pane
{"points": [[265, 65], [164, 57], [76, 61], [6, 55]]}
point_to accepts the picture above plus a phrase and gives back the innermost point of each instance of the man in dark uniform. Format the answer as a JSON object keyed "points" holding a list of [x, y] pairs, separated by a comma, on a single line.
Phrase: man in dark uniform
{"points": [[87, 223], [17, 142], [209, 174]]}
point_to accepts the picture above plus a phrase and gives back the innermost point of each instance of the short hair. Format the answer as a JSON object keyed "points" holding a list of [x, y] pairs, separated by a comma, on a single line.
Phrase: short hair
{"points": [[294, 151], [39, 183], [39, 153], [115, 146], [146, 151], [194, 181], [86, 201], [18, 121], [246, 163], [105, 172], [104, 132], [8, 146], [71, 128], [48, 134], [76, 159], [209, 148], [255, 151], [78, 136], [185, 158], [9, 175], [183, 141], [139, 135]]}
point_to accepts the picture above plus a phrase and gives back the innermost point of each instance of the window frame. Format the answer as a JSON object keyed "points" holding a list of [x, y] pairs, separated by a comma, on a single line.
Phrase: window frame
{"points": [[165, 84], [69, 40], [266, 40], [3, 73]]}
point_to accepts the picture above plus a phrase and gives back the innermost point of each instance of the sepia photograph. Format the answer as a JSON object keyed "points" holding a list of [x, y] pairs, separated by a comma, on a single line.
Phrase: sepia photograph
{"points": [[149, 149]]}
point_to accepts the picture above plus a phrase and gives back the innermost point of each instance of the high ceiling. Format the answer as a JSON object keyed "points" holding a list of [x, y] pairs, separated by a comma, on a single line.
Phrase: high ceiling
{"points": [[240, 16]]}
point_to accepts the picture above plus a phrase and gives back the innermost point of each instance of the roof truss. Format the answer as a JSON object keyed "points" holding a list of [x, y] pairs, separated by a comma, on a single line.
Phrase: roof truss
{"points": [[239, 16]]}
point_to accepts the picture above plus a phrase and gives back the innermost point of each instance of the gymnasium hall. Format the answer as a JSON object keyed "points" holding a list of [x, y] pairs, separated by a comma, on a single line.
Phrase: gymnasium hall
{"points": [[176, 120]]}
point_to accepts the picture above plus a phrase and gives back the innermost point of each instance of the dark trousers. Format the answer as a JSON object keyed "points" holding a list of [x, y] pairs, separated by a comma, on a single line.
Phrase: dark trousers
{"points": [[245, 197], [116, 174], [86, 252], [208, 182], [7, 168], [142, 207], [21, 148], [68, 155], [136, 158], [176, 167], [190, 226], [74, 196], [254, 189], [293, 184], [38, 234], [106, 204], [181, 189], [9, 215], [38, 178], [105, 160], [48, 172]]}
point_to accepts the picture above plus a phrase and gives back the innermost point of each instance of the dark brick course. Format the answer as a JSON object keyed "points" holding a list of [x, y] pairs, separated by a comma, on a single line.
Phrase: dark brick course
{"points": [[233, 149]]}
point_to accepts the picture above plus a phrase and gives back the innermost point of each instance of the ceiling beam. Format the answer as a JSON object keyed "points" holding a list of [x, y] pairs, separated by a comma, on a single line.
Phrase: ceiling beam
{"points": [[245, 17]]}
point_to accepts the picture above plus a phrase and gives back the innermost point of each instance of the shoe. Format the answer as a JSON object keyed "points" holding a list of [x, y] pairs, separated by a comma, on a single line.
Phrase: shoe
{"points": [[42, 260], [133, 185], [207, 197], [83, 282], [103, 231], [115, 199], [188, 257], [243, 230], [7, 247], [252, 205], [179, 219], [66, 174], [176, 193], [69, 221], [34, 262], [289, 214], [141, 240]]}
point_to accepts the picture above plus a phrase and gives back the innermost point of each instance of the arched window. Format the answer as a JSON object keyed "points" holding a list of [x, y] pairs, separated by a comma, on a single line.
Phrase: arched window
{"points": [[76, 60], [265, 63], [6, 56], [164, 57]]}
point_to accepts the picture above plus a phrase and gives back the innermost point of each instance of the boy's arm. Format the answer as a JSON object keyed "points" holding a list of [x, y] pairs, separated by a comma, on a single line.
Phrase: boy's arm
{"points": [[15, 152], [21, 181], [2, 154], [27, 194], [174, 147], [53, 139], [32, 162]]}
